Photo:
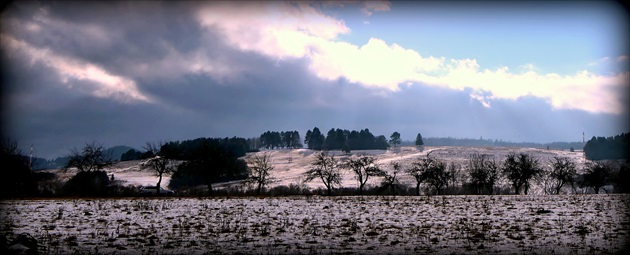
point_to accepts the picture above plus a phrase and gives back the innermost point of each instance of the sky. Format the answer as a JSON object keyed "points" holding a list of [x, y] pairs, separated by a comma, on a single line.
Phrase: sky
{"points": [[132, 72]]}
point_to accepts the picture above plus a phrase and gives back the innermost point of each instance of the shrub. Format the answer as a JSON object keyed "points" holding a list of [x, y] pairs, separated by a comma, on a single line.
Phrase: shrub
{"points": [[84, 183]]}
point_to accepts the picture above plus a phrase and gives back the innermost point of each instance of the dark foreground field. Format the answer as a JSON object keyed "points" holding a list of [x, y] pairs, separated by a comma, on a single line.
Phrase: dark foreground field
{"points": [[564, 224]]}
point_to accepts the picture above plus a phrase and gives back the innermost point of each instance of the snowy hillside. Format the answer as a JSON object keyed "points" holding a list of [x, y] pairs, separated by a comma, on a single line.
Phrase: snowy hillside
{"points": [[127, 172], [290, 165]]}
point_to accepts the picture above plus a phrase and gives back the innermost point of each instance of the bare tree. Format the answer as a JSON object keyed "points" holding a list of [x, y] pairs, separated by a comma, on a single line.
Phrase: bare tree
{"points": [[563, 172], [437, 176], [160, 163], [520, 169], [483, 173], [431, 171], [260, 171], [91, 158], [363, 167], [324, 168], [454, 172], [417, 170], [390, 178], [597, 176]]}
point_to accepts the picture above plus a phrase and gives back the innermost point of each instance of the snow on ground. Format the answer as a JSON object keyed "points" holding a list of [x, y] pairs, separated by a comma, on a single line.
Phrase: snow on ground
{"points": [[290, 165], [559, 224], [130, 173]]}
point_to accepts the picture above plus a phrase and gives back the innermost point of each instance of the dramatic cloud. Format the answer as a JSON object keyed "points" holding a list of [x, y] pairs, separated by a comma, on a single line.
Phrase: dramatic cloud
{"points": [[132, 72], [282, 30], [101, 83]]}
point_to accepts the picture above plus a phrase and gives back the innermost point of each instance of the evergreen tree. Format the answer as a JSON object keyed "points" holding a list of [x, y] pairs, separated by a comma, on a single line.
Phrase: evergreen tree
{"points": [[419, 141], [332, 141], [394, 139], [316, 139]]}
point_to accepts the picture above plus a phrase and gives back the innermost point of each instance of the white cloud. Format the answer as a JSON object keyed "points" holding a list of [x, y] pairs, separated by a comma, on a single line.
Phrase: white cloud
{"points": [[277, 29], [106, 85], [281, 30]]}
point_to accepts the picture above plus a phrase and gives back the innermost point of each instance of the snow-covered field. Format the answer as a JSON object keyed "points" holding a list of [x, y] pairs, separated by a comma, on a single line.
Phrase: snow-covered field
{"points": [[531, 224], [290, 165], [562, 224]]}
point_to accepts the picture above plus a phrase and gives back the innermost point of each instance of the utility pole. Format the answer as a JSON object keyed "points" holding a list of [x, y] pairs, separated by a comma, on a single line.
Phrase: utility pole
{"points": [[30, 159]]}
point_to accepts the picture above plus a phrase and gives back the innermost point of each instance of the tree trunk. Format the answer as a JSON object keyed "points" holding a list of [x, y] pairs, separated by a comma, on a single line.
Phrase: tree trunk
{"points": [[210, 189], [526, 188], [158, 184], [418, 189]]}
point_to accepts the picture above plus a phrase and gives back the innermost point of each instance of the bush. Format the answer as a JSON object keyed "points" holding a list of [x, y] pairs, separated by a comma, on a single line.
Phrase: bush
{"points": [[87, 183]]}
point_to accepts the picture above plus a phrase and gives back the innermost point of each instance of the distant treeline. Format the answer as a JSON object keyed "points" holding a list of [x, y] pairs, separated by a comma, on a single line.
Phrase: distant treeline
{"points": [[114, 153], [613, 147], [338, 139], [274, 139], [450, 141], [335, 139], [189, 149]]}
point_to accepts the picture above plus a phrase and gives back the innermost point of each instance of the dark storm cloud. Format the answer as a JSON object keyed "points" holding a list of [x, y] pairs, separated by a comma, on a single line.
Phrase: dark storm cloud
{"points": [[162, 48]]}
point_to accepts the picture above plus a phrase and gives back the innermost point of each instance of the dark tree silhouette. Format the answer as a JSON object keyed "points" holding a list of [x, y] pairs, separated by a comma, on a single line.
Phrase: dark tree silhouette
{"points": [[87, 183], [431, 171], [207, 161], [614, 147], [133, 154], [332, 141], [314, 139], [91, 158], [363, 168], [563, 171], [294, 141], [437, 176], [260, 172], [520, 170], [395, 139], [621, 179], [483, 173], [597, 176], [17, 179], [419, 141], [390, 177], [271, 140], [160, 162], [324, 168], [380, 143]]}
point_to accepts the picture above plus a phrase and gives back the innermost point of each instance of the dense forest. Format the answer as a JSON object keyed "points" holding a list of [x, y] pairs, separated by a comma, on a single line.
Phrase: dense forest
{"points": [[613, 147]]}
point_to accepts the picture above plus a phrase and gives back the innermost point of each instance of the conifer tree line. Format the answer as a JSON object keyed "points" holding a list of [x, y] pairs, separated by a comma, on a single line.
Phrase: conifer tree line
{"points": [[613, 147], [346, 140], [334, 139], [284, 139]]}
